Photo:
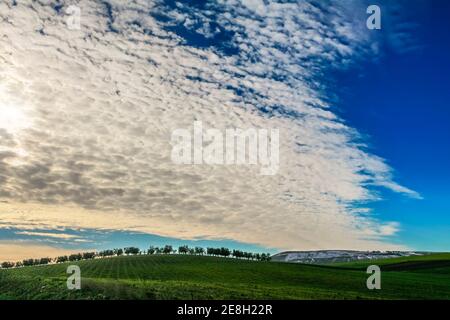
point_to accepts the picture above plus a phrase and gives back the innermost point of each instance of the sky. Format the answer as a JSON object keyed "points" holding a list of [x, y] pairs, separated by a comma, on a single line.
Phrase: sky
{"points": [[401, 103], [86, 116]]}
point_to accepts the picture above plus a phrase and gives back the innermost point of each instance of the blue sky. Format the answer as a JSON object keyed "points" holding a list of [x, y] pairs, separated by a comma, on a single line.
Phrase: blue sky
{"points": [[401, 102], [363, 115]]}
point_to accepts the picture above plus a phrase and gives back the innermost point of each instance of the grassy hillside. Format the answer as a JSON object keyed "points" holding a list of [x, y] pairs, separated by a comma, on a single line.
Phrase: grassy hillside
{"points": [[201, 277]]}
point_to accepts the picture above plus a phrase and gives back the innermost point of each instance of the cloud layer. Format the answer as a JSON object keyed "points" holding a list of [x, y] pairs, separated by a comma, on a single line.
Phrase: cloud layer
{"points": [[90, 114]]}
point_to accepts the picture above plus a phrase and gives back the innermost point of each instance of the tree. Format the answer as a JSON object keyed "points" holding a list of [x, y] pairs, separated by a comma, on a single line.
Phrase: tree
{"points": [[151, 250], [248, 255], [44, 261], [88, 255], [75, 257], [158, 250], [237, 253], [7, 265], [183, 249], [213, 251], [28, 262], [167, 249], [106, 253], [131, 250], [225, 252], [118, 252], [199, 250], [61, 259]]}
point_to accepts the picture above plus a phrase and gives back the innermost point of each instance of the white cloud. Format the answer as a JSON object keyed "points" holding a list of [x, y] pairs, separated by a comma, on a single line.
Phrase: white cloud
{"points": [[256, 6], [64, 236], [103, 105], [389, 229]]}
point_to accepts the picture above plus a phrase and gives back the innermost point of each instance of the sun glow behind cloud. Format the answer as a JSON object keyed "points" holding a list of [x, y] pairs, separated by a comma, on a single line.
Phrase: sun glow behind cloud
{"points": [[14, 112], [106, 98], [12, 119]]}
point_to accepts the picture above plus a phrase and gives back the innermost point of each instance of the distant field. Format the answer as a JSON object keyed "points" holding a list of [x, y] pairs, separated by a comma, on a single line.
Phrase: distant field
{"points": [[203, 277], [438, 263]]}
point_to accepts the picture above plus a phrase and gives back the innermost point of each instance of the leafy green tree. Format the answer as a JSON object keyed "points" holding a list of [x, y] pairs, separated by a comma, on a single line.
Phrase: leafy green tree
{"points": [[106, 253], [61, 259], [44, 261], [158, 250], [88, 255], [7, 265], [183, 249], [28, 262], [199, 250], [167, 249], [131, 250], [237, 253], [225, 252], [75, 257], [118, 252]]}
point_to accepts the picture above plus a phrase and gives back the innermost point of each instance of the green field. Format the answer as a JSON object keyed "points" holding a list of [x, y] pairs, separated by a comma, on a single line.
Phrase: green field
{"points": [[203, 277]]}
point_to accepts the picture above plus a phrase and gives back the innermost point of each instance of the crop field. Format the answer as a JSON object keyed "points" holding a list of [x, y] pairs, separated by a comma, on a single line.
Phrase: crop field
{"points": [[204, 277]]}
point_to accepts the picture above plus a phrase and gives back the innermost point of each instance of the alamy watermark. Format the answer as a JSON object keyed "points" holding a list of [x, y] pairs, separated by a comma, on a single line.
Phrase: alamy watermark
{"points": [[374, 280], [73, 19], [373, 22], [229, 147], [74, 280]]}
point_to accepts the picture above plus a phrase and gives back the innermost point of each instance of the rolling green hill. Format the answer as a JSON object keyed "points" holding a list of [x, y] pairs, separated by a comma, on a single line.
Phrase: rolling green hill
{"points": [[204, 277]]}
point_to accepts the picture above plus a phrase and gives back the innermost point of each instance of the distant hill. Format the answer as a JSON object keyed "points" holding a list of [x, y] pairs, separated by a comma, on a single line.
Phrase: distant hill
{"points": [[204, 277], [333, 256]]}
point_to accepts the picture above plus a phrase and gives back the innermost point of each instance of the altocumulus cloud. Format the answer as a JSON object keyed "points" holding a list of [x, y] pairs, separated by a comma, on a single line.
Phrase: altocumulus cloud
{"points": [[89, 116]]}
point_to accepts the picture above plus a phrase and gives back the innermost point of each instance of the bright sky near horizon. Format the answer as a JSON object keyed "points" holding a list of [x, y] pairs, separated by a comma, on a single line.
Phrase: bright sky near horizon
{"points": [[86, 118]]}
